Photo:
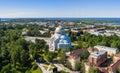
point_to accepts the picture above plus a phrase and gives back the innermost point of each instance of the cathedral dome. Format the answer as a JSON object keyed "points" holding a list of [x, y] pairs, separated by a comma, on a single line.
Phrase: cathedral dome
{"points": [[59, 39], [63, 37], [59, 29], [66, 41]]}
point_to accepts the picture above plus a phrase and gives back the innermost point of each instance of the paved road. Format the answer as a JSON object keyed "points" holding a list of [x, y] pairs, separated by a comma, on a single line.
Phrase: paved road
{"points": [[43, 69], [49, 67], [61, 67], [47, 40], [29, 38]]}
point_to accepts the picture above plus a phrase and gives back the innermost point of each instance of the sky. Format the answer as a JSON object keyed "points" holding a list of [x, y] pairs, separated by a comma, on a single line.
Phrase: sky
{"points": [[59, 8]]}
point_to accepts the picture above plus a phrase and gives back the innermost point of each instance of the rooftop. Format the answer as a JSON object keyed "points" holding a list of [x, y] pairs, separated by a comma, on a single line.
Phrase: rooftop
{"points": [[74, 54], [114, 66], [97, 54], [117, 55], [104, 47]]}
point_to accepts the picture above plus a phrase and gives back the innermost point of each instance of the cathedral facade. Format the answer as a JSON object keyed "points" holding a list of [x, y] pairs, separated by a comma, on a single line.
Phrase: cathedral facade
{"points": [[59, 40]]}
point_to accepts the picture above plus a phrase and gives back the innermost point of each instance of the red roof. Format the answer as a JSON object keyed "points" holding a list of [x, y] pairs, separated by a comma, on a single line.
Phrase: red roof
{"points": [[74, 54], [102, 70], [118, 55], [115, 66]]}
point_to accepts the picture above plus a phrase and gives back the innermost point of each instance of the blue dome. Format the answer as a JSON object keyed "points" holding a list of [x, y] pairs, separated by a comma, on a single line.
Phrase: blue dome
{"points": [[63, 37]]}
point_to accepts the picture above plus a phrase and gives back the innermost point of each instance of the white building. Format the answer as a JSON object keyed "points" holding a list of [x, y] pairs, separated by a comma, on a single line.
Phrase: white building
{"points": [[96, 32], [110, 51], [59, 40]]}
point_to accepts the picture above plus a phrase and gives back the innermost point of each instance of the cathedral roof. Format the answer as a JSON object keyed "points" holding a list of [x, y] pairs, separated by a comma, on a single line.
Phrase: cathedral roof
{"points": [[60, 36], [59, 29]]}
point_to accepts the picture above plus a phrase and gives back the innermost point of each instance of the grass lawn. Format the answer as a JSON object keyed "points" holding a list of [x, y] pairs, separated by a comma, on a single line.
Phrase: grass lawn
{"points": [[63, 72], [38, 70], [46, 67], [44, 57]]}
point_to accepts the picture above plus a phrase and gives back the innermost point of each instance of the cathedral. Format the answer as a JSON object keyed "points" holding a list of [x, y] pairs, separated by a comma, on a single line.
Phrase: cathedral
{"points": [[59, 40]]}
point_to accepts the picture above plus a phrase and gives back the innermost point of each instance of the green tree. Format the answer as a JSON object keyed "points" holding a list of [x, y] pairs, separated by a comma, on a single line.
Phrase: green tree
{"points": [[85, 55], [15, 54], [68, 64], [82, 67], [4, 53], [114, 44], [85, 44], [118, 70], [77, 66], [13, 34], [33, 53], [50, 56], [40, 44], [6, 69], [93, 70], [24, 57], [61, 56]]}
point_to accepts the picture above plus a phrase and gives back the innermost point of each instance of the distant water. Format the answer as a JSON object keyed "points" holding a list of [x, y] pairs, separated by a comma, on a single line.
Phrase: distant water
{"points": [[112, 20], [82, 18], [66, 18]]}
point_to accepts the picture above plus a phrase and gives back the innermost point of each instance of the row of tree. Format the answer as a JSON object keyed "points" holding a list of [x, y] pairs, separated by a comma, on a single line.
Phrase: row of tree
{"points": [[16, 54], [85, 40]]}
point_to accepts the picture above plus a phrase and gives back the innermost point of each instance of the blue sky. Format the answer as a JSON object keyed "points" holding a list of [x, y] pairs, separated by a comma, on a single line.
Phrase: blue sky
{"points": [[59, 8]]}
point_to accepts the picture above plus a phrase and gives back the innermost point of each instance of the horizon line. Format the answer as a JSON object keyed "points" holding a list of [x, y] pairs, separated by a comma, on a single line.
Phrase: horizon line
{"points": [[59, 17]]}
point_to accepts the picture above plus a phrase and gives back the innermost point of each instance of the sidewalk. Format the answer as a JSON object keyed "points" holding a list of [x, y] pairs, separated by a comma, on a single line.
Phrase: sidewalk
{"points": [[42, 68]]}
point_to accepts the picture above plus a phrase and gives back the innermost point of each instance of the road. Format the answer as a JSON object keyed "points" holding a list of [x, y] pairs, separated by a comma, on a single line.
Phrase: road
{"points": [[61, 67], [29, 38], [42, 68], [47, 40]]}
